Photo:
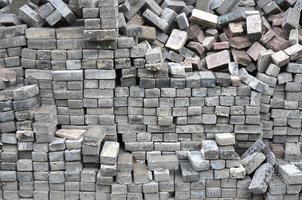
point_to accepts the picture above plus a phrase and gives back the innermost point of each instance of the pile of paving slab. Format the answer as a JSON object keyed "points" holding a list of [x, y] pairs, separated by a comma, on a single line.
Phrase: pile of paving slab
{"points": [[150, 99]]}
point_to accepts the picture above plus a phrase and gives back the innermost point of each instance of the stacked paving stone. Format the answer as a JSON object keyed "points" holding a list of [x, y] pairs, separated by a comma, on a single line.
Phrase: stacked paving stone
{"points": [[186, 116], [101, 23], [11, 42], [140, 89]]}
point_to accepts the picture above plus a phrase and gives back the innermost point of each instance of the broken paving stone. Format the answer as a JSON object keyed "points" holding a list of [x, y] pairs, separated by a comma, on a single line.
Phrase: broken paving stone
{"points": [[177, 40], [218, 60], [252, 162], [237, 172], [261, 179]]}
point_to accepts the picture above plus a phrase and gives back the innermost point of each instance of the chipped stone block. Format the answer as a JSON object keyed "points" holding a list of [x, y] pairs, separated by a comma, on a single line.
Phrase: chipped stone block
{"points": [[237, 172]]}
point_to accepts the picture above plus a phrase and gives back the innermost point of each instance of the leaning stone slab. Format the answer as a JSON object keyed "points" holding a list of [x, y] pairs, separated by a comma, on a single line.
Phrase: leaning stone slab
{"points": [[261, 179], [197, 161], [258, 146], [252, 162], [30, 16], [109, 153], [64, 10]]}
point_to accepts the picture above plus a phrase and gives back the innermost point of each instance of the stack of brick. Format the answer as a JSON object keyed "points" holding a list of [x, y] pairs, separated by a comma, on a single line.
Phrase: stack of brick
{"points": [[11, 42], [9, 150], [285, 105], [68, 94], [99, 87], [175, 111], [217, 165], [101, 23], [108, 163], [286, 184], [92, 144], [126, 64]]}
